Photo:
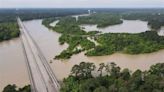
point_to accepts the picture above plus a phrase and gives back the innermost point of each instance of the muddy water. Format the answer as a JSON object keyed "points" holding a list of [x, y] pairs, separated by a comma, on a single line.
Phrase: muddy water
{"points": [[12, 65], [13, 69], [128, 26], [48, 42]]}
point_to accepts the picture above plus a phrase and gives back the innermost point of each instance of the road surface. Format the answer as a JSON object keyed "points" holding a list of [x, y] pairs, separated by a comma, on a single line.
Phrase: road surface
{"points": [[41, 76]]}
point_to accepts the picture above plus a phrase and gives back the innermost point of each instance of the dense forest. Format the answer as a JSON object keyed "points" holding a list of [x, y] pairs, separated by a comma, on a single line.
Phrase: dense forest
{"points": [[86, 77], [111, 78], [101, 19], [153, 16], [72, 35], [14, 88], [8, 30], [46, 22], [144, 42], [109, 43], [155, 19], [8, 15]]}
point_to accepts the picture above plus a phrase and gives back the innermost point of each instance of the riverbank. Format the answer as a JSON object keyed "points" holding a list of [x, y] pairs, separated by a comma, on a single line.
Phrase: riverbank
{"points": [[122, 38], [13, 69], [48, 42]]}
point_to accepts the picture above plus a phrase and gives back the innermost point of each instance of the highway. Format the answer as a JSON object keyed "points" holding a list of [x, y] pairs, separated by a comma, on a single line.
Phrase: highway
{"points": [[41, 76]]}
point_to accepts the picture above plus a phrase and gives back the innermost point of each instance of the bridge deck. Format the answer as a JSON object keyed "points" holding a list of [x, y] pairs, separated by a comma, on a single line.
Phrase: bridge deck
{"points": [[41, 75]]}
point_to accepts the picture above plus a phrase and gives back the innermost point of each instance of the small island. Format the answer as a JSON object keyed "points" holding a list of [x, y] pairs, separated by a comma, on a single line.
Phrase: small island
{"points": [[108, 43]]}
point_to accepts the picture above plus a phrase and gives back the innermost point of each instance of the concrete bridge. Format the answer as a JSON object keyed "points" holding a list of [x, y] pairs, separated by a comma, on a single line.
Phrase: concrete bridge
{"points": [[41, 76]]}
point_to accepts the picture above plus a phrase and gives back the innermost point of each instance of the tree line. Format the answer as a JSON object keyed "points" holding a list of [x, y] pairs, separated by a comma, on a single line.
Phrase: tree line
{"points": [[8, 30], [109, 43], [101, 19], [145, 42], [111, 78], [72, 34], [14, 88], [8, 25]]}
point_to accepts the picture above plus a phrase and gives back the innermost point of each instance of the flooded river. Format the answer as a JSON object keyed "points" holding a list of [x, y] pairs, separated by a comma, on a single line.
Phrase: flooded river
{"points": [[48, 42], [128, 26], [13, 68]]}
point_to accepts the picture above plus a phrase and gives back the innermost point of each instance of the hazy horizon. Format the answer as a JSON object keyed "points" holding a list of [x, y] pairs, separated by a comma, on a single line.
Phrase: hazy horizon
{"points": [[82, 4]]}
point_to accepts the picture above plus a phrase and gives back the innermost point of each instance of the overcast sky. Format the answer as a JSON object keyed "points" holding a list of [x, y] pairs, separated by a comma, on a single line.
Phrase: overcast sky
{"points": [[80, 3]]}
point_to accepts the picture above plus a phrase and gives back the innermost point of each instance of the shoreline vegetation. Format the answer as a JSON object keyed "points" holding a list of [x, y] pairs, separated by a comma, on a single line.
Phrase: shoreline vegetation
{"points": [[109, 43], [14, 88], [8, 31], [101, 19], [111, 78], [8, 24]]}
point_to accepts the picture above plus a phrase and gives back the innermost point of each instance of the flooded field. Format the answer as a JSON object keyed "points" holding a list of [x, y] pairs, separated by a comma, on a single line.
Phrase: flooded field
{"points": [[13, 68], [48, 42]]}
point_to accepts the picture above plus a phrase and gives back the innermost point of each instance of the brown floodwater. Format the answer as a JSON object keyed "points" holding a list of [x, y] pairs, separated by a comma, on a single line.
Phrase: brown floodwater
{"points": [[13, 68], [48, 42], [128, 26], [12, 64]]}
